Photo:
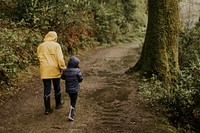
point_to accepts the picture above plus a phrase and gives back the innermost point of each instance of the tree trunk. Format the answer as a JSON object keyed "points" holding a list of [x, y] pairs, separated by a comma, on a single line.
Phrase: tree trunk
{"points": [[160, 51]]}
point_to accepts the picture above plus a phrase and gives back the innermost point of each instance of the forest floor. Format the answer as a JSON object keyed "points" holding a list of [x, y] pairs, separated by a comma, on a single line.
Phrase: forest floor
{"points": [[108, 101]]}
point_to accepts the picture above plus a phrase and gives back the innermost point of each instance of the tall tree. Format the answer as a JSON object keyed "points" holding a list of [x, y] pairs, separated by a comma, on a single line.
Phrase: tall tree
{"points": [[160, 51]]}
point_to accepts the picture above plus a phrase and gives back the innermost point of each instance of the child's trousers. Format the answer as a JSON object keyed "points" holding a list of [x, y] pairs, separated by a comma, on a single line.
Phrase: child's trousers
{"points": [[73, 99]]}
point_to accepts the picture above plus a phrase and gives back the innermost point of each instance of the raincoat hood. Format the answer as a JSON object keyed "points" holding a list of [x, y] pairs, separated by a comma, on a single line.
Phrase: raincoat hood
{"points": [[51, 36], [73, 62]]}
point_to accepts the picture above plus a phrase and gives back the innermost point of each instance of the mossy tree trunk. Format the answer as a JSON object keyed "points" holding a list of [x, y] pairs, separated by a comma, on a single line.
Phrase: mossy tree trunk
{"points": [[160, 51]]}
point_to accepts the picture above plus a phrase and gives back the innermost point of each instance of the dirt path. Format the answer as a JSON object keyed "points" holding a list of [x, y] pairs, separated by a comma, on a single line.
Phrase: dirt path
{"points": [[107, 102]]}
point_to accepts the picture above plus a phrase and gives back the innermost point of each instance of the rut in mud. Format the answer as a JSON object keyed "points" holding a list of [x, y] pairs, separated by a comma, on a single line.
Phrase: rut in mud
{"points": [[107, 102]]}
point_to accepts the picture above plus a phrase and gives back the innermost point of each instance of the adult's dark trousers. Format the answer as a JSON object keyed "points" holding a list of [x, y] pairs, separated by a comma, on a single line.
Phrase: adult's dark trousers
{"points": [[47, 93], [48, 85], [73, 99]]}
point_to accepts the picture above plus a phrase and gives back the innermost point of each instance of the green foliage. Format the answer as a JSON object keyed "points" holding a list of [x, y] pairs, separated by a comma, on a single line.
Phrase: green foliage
{"points": [[177, 103], [181, 101], [16, 52], [189, 53], [80, 24], [107, 20], [8, 64], [103, 16]]}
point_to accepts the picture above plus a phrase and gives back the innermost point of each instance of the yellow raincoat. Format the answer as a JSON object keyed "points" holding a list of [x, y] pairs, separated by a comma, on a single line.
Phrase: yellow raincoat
{"points": [[50, 57]]}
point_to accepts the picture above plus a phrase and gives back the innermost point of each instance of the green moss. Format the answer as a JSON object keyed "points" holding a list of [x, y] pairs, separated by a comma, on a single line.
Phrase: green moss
{"points": [[159, 54]]}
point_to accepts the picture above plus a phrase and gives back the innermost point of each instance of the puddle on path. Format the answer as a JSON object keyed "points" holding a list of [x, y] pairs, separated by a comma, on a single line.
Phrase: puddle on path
{"points": [[110, 94]]}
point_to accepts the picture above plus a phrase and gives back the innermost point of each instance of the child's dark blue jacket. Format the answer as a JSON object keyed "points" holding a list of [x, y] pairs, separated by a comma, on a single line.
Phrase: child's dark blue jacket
{"points": [[72, 75]]}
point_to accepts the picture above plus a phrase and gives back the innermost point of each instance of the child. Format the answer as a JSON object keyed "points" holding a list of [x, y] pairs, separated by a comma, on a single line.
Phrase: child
{"points": [[72, 76]]}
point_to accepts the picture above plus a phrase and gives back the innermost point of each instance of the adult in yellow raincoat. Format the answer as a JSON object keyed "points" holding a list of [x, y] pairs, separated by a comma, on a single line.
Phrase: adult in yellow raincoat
{"points": [[51, 61]]}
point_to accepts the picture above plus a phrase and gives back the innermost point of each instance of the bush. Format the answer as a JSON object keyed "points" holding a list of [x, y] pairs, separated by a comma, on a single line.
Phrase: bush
{"points": [[17, 51], [189, 48]]}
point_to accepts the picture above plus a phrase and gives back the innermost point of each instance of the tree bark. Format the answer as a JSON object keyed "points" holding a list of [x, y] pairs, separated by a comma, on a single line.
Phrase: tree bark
{"points": [[160, 51]]}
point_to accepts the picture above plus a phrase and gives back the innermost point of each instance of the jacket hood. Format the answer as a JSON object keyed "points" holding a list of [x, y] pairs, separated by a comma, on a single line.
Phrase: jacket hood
{"points": [[51, 36], [73, 62]]}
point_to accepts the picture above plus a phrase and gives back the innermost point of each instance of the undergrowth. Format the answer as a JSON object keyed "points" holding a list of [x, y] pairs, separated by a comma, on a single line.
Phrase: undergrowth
{"points": [[180, 103], [17, 52]]}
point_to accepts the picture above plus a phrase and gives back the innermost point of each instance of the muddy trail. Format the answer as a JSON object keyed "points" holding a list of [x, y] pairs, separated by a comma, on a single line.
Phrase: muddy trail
{"points": [[107, 101]]}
